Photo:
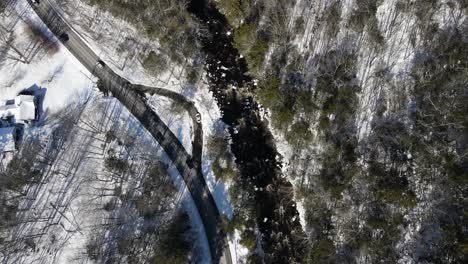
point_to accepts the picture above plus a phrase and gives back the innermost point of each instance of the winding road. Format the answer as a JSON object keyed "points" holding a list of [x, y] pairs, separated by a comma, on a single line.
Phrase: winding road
{"points": [[189, 106], [132, 97]]}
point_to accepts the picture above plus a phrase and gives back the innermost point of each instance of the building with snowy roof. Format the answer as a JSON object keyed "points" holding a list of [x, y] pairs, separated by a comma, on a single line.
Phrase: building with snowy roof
{"points": [[23, 110]]}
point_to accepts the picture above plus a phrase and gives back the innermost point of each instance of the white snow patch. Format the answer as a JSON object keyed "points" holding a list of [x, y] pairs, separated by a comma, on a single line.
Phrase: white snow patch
{"points": [[61, 74]]}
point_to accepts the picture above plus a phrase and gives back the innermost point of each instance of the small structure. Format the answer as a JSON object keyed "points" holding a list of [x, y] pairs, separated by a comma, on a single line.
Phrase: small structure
{"points": [[22, 111]]}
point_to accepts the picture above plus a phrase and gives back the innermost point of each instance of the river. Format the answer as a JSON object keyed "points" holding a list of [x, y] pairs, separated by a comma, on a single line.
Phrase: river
{"points": [[252, 142]]}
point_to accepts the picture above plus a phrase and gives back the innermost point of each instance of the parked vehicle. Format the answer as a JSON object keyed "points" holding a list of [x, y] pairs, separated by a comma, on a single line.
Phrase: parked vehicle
{"points": [[64, 37], [100, 64]]}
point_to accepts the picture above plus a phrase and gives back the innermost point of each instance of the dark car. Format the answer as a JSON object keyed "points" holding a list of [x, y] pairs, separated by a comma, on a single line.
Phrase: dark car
{"points": [[37, 2], [101, 64], [64, 37]]}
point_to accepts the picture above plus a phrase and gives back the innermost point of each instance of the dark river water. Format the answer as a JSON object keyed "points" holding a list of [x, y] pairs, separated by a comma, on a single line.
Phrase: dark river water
{"points": [[252, 142]]}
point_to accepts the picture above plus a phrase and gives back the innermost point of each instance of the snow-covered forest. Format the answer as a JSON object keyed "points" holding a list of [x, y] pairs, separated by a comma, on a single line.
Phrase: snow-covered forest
{"points": [[333, 131], [367, 100]]}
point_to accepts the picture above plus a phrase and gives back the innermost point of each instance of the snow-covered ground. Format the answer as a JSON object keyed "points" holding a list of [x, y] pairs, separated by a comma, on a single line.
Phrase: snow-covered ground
{"points": [[64, 211], [106, 35], [395, 57], [120, 45], [384, 77], [57, 71], [65, 81]]}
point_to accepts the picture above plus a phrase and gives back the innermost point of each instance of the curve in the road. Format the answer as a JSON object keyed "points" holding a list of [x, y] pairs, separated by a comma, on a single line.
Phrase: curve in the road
{"points": [[189, 106]]}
